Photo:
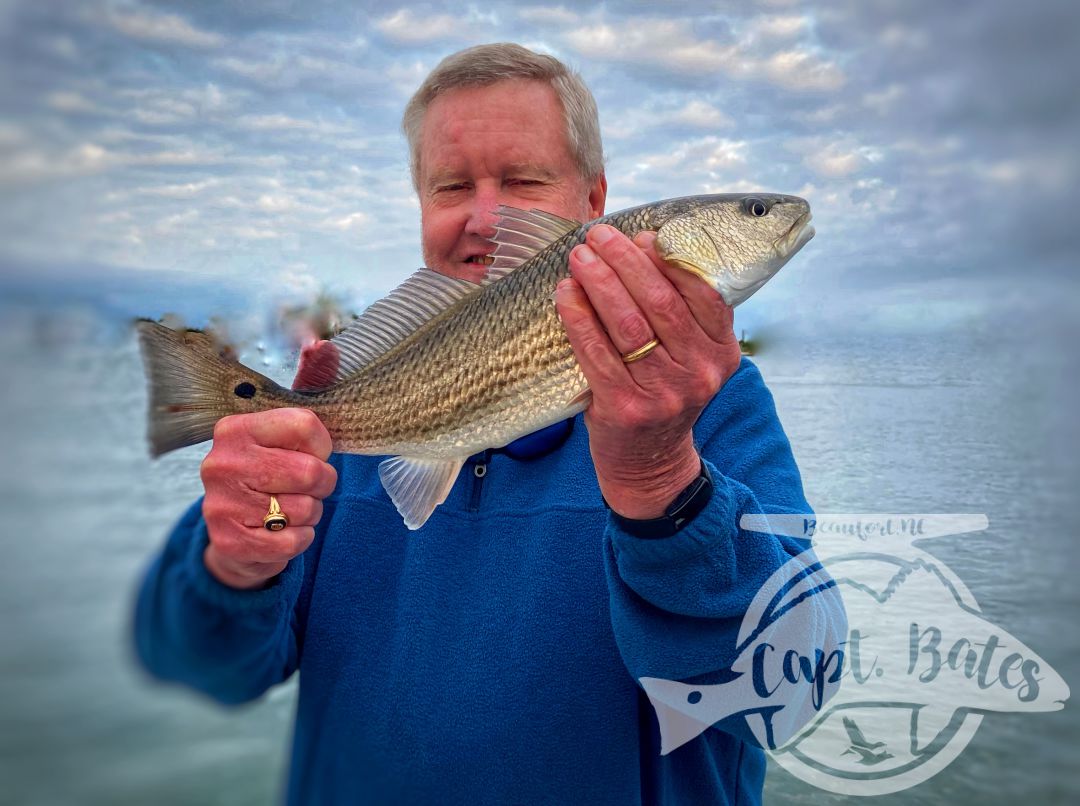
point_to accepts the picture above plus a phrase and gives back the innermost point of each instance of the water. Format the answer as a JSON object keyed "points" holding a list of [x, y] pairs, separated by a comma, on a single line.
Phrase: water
{"points": [[969, 423]]}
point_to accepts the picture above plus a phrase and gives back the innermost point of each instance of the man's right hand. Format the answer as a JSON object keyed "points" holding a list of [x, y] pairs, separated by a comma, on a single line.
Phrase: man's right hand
{"points": [[282, 452]]}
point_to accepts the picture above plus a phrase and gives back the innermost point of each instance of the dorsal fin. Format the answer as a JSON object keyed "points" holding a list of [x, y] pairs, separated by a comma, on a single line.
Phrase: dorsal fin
{"points": [[395, 317], [520, 234]]}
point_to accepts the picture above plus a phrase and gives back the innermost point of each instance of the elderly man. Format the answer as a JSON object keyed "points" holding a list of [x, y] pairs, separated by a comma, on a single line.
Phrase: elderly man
{"points": [[492, 657]]}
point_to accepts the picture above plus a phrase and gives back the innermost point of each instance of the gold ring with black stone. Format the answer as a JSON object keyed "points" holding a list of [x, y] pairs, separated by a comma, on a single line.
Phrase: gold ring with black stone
{"points": [[275, 519]]}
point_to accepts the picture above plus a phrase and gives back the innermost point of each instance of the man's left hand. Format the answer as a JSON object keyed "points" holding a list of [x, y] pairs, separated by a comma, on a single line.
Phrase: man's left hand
{"points": [[622, 295]]}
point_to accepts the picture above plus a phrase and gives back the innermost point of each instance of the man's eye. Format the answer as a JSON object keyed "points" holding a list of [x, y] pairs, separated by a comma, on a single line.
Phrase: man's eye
{"points": [[450, 188], [522, 181]]}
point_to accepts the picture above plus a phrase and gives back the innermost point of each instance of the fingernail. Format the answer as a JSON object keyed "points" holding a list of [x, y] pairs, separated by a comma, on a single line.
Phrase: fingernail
{"points": [[644, 238], [602, 233], [585, 254]]}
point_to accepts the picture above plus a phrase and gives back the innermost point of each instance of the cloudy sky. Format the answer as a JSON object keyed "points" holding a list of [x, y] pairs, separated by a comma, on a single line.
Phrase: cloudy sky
{"points": [[257, 143]]}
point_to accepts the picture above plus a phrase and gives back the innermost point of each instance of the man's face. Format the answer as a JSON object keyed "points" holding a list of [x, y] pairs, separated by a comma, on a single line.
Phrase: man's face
{"points": [[484, 146]]}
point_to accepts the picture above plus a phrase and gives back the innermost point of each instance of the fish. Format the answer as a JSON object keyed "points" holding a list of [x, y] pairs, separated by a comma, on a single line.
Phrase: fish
{"points": [[443, 368]]}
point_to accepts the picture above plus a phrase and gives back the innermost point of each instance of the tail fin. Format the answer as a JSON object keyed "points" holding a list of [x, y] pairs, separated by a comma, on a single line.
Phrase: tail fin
{"points": [[192, 385]]}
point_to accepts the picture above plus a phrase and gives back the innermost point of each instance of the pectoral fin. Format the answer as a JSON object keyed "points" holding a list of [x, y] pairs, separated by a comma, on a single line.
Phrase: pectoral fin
{"points": [[417, 486]]}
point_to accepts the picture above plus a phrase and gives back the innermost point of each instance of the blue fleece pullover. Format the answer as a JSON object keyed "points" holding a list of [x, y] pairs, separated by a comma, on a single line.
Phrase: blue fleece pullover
{"points": [[491, 657]]}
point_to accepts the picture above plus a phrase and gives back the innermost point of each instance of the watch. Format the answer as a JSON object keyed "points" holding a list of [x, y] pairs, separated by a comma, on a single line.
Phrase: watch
{"points": [[682, 510]]}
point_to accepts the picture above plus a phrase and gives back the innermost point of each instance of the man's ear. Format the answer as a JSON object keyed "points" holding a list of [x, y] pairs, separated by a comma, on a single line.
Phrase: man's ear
{"points": [[598, 196]]}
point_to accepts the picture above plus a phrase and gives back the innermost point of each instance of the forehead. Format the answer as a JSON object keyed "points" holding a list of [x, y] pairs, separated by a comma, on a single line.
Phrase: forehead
{"points": [[519, 122]]}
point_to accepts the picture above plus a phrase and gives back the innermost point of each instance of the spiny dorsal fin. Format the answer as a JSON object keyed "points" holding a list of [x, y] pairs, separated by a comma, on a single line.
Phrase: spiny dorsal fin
{"points": [[520, 234], [398, 315]]}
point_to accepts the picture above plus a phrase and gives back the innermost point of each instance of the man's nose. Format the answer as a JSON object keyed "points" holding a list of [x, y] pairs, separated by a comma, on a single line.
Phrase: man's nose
{"points": [[482, 215]]}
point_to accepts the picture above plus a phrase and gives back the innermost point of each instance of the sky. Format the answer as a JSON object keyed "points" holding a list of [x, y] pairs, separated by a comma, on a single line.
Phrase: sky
{"points": [[256, 145]]}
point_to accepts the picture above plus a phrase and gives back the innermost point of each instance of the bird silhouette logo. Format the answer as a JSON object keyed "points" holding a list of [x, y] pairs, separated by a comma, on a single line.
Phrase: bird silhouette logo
{"points": [[864, 748]]}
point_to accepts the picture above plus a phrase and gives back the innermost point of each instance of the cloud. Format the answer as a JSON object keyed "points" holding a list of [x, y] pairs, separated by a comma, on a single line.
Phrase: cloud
{"points": [[353, 222], [673, 45], [835, 161], [149, 26], [176, 223], [946, 137], [702, 115], [550, 15], [166, 106], [316, 130], [800, 69], [35, 163], [778, 26], [405, 27], [665, 43], [71, 103], [835, 156], [184, 190], [885, 100], [282, 69], [712, 155]]}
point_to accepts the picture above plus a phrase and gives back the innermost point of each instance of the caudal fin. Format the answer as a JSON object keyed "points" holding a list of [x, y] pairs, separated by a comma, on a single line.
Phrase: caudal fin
{"points": [[191, 385]]}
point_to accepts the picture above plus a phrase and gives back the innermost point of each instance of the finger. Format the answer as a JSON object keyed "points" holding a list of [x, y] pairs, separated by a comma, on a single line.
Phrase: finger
{"points": [[279, 471], [619, 315], [714, 316], [232, 537], [283, 545], [299, 510], [292, 429], [319, 364], [259, 545], [266, 471], [661, 302], [595, 353]]}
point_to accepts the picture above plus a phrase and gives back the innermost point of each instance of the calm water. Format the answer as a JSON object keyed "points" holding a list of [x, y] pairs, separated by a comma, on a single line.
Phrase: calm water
{"points": [[973, 423]]}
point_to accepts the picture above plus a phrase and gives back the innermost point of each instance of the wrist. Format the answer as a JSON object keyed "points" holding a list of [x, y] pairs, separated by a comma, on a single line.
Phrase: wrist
{"points": [[648, 495], [687, 505]]}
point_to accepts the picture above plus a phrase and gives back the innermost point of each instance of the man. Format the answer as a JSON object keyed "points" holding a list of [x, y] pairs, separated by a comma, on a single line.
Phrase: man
{"points": [[492, 656]]}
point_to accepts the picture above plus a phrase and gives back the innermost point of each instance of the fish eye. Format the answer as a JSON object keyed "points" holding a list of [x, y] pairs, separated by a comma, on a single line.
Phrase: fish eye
{"points": [[244, 390], [756, 207]]}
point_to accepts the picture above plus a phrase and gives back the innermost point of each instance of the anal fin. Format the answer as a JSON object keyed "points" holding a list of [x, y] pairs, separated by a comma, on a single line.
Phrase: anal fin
{"points": [[417, 486]]}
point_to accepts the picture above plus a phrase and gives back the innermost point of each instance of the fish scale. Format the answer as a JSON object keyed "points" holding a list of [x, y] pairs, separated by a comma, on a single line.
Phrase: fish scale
{"points": [[519, 367], [442, 369]]}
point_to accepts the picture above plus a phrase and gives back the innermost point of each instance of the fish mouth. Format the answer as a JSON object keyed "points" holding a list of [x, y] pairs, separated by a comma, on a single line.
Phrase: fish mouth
{"points": [[796, 237]]}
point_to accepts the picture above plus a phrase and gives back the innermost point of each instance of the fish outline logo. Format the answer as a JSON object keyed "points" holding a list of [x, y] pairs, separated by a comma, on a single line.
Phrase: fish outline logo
{"points": [[894, 700]]}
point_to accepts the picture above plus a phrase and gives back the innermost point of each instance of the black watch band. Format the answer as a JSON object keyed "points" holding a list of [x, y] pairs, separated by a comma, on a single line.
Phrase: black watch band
{"points": [[683, 509]]}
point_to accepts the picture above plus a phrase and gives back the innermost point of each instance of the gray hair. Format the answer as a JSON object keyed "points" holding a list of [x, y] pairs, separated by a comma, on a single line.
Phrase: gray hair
{"points": [[504, 61]]}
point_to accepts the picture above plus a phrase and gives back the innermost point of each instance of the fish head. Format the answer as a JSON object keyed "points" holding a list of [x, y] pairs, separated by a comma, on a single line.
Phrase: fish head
{"points": [[735, 242]]}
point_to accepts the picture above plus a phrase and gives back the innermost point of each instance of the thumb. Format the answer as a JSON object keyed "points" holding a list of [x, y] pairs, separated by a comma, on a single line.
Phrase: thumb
{"points": [[318, 365]]}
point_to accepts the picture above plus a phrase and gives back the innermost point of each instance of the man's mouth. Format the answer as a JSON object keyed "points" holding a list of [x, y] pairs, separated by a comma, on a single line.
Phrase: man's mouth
{"points": [[483, 260]]}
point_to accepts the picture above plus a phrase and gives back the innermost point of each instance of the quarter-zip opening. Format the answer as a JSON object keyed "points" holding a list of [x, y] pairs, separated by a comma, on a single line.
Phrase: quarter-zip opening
{"points": [[480, 471]]}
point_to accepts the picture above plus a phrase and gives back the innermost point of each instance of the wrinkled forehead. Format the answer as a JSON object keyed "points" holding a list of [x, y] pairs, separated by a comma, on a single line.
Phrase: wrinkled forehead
{"points": [[498, 128], [451, 169]]}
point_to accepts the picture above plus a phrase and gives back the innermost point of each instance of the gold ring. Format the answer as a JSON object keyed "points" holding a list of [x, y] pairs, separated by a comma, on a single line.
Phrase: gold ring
{"points": [[275, 519], [640, 352]]}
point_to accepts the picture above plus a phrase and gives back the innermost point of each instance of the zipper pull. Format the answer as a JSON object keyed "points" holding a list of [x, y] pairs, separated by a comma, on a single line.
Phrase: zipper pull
{"points": [[480, 469]]}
